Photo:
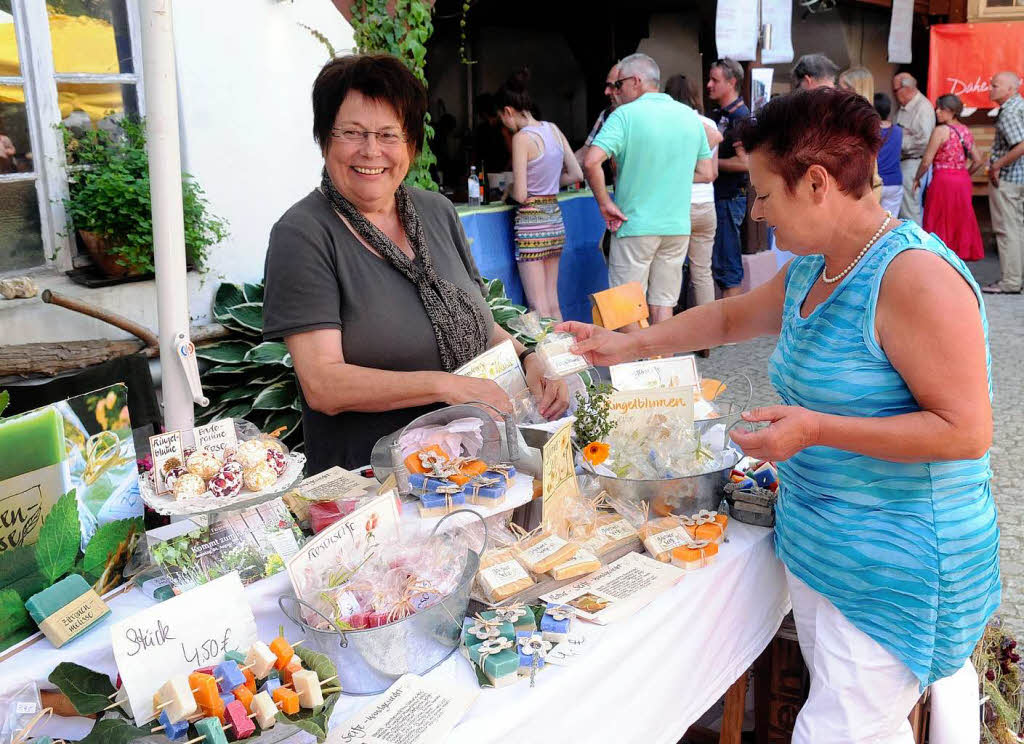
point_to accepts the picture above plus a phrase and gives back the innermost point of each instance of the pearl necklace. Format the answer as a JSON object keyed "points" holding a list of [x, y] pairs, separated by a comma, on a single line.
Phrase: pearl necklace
{"points": [[825, 278]]}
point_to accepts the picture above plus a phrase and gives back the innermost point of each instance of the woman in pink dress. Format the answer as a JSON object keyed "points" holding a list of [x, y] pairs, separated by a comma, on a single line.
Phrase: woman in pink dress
{"points": [[948, 211]]}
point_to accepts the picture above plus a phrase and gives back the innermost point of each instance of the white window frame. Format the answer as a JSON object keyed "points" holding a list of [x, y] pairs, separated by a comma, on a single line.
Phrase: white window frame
{"points": [[39, 81]]}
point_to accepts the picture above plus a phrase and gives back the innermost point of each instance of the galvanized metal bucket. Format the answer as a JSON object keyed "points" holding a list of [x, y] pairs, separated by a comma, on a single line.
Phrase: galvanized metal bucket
{"points": [[369, 661]]}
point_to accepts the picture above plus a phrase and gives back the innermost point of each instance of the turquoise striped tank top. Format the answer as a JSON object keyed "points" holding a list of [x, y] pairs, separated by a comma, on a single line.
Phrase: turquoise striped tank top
{"points": [[908, 552]]}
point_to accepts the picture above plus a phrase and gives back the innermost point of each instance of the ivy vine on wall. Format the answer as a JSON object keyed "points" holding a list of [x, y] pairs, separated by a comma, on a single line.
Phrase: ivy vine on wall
{"points": [[404, 35]]}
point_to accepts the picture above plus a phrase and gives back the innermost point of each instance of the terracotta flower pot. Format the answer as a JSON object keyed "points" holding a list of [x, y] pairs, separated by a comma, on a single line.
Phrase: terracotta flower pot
{"points": [[100, 251]]}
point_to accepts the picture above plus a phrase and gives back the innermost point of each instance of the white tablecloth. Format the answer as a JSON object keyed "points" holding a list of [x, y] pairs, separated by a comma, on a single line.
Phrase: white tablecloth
{"points": [[647, 679]]}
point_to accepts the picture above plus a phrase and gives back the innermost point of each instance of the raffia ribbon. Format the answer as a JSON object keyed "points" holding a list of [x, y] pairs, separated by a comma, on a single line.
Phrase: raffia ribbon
{"points": [[503, 469], [482, 482], [44, 715]]}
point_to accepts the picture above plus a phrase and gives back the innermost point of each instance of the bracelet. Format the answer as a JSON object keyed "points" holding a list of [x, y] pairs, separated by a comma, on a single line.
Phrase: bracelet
{"points": [[525, 353]]}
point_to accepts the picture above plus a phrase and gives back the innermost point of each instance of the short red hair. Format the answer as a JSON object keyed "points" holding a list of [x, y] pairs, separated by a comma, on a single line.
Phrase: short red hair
{"points": [[836, 129]]}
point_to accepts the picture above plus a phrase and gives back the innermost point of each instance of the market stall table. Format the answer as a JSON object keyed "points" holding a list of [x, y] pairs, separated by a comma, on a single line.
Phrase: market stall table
{"points": [[582, 269], [647, 678]]}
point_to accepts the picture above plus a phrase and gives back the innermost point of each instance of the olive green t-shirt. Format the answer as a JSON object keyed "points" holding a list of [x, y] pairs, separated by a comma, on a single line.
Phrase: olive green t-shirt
{"points": [[318, 275]]}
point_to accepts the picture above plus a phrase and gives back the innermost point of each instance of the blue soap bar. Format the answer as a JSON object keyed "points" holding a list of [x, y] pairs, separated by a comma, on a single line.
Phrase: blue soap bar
{"points": [[173, 731], [765, 475], [269, 686], [548, 624], [501, 475], [526, 661], [426, 483], [473, 489], [228, 675], [67, 609], [438, 500], [227, 697]]}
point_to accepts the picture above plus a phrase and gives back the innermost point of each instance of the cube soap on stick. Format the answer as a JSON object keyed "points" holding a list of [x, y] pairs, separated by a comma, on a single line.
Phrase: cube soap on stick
{"points": [[307, 685], [287, 674], [270, 685], [242, 726], [67, 609], [204, 687], [227, 698], [177, 693], [244, 695], [212, 729], [250, 681], [236, 656], [261, 659], [287, 700], [265, 709], [283, 651], [228, 675], [173, 730]]}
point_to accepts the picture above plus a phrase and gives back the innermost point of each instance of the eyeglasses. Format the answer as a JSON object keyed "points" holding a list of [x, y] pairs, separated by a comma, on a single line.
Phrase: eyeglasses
{"points": [[621, 81], [358, 136]]}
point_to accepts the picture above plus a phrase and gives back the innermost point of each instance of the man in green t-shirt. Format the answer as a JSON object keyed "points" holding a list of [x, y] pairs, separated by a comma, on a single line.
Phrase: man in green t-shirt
{"points": [[660, 148]]}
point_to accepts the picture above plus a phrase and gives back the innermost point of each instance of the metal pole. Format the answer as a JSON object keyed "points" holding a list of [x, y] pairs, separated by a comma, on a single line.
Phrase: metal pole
{"points": [[168, 221]]}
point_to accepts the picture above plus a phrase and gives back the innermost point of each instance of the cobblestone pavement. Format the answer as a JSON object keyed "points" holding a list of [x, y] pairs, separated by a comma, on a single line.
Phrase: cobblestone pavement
{"points": [[1006, 337]]}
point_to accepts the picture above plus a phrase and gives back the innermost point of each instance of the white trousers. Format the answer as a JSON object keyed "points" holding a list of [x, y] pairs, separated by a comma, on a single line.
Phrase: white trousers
{"points": [[861, 693]]}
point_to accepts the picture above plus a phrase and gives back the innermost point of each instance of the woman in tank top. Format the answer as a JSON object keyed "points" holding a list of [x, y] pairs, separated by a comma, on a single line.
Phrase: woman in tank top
{"points": [[542, 161], [885, 522]]}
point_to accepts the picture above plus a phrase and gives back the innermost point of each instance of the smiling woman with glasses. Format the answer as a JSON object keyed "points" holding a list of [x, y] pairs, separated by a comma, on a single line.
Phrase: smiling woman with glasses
{"points": [[371, 283]]}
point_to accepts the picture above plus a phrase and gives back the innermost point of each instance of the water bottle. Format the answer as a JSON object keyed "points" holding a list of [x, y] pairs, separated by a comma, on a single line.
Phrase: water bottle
{"points": [[473, 188]]}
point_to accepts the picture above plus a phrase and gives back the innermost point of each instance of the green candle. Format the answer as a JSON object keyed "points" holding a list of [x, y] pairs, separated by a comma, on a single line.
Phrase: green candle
{"points": [[31, 441]]}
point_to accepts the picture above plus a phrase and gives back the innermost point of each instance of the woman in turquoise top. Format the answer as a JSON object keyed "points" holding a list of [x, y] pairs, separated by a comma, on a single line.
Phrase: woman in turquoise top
{"points": [[885, 521]]}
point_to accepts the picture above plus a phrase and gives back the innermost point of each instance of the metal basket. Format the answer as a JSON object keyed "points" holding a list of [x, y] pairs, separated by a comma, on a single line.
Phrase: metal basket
{"points": [[730, 401], [370, 660]]}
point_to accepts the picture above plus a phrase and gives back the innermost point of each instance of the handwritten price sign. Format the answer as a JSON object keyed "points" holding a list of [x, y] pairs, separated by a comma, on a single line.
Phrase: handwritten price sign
{"points": [[178, 636]]}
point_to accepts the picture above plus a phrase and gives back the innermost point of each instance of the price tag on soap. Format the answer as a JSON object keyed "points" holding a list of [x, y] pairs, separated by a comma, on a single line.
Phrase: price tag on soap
{"points": [[216, 437], [177, 636], [167, 453]]}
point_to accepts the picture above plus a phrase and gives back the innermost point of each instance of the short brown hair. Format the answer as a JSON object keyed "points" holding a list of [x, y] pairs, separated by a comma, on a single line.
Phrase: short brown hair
{"points": [[732, 70], [379, 77], [836, 129], [685, 91]]}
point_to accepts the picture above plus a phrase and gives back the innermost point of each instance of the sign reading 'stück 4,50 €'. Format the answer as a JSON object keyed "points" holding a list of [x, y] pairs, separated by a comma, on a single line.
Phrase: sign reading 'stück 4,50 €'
{"points": [[178, 636]]}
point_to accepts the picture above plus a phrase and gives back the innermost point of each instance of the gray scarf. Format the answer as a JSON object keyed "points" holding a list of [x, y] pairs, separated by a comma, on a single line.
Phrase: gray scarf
{"points": [[460, 326]]}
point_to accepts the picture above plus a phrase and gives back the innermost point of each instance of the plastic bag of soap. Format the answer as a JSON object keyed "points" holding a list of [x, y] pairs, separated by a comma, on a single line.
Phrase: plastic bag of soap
{"points": [[552, 347], [18, 706]]}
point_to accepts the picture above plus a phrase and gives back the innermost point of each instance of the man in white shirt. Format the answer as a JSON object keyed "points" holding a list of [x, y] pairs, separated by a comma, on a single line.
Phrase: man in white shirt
{"points": [[917, 117]]}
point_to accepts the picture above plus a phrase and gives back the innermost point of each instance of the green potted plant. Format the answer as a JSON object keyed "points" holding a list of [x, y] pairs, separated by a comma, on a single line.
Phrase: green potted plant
{"points": [[109, 202]]}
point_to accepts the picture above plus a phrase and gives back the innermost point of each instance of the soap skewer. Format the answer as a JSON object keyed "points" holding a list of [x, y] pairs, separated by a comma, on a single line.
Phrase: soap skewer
{"points": [[161, 727], [203, 737]]}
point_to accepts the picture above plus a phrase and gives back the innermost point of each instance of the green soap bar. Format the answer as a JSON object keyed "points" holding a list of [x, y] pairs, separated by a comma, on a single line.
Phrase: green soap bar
{"points": [[502, 663], [237, 656], [211, 729], [469, 640], [44, 604], [31, 441], [526, 622]]}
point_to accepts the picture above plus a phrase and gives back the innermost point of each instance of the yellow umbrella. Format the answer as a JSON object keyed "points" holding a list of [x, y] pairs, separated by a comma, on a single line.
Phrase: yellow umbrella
{"points": [[80, 44]]}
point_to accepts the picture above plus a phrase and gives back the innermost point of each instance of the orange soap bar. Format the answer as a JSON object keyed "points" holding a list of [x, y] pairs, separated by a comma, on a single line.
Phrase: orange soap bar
{"points": [[473, 467], [287, 700], [686, 554], [243, 695], [293, 666], [283, 651], [204, 687], [250, 681], [413, 464], [711, 531]]}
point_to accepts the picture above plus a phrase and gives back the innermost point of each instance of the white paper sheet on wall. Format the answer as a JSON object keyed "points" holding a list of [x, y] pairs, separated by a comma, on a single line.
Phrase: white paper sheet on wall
{"points": [[779, 14], [736, 26], [899, 31]]}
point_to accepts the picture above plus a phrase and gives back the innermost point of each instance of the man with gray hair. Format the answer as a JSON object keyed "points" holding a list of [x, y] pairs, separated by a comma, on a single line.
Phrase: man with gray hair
{"points": [[814, 71], [659, 145], [1006, 182], [917, 117]]}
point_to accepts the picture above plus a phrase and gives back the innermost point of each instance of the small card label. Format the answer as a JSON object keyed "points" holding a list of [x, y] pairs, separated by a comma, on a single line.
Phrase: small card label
{"points": [[503, 574], [618, 530], [73, 618], [167, 453], [25, 708], [334, 483], [667, 540], [582, 556], [545, 548], [216, 437]]}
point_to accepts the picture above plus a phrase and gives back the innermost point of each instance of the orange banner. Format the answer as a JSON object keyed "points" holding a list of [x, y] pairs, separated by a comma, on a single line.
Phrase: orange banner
{"points": [[963, 57]]}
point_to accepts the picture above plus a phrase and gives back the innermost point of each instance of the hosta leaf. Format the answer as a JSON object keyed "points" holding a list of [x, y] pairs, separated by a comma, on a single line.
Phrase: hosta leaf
{"points": [[106, 541], [87, 690], [253, 292], [311, 725], [240, 393], [228, 295], [277, 396], [319, 663], [229, 369], [269, 352], [248, 315], [114, 731], [225, 351], [239, 410], [59, 538], [286, 417]]}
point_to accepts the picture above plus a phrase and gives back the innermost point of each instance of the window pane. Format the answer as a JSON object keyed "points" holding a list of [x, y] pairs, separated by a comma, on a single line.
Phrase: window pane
{"points": [[21, 242], [90, 36], [8, 48], [85, 105], [15, 146]]}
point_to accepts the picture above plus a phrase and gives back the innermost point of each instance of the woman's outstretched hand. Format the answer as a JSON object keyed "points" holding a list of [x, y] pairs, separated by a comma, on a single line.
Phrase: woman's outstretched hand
{"points": [[600, 346], [791, 430]]}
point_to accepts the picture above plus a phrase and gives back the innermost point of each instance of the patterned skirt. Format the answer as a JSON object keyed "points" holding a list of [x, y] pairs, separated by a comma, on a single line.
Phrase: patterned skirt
{"points": [[539, 229]]}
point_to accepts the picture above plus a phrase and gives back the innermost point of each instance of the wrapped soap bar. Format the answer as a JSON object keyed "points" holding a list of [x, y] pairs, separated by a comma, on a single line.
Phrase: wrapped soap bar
{"points": [[695, 556], [504, 470], [533, 649], [501, 575], [583, 562], [322, 514], [472, 468], [498, 659], [556, 621], [611, 531], [484, 491], [478, 629], [661, 536], [541, 552], [307, 685], [517, 613], [424, 483], [707, 525], [67, 609], [427, 460], [554, 352], [446, 499]]}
